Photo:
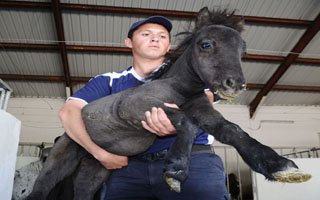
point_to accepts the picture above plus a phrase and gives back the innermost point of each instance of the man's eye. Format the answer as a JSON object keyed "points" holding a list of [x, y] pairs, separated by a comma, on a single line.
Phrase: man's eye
{"points": [[145, 34], [163, 36]]}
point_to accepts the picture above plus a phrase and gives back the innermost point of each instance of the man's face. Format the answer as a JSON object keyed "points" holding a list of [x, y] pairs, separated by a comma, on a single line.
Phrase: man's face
{"points": [[151, 41]]}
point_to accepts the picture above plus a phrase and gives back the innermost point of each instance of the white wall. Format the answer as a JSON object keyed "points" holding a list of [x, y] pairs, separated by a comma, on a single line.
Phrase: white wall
{"points": [[40, 123], [39, 118], [278, 126]]}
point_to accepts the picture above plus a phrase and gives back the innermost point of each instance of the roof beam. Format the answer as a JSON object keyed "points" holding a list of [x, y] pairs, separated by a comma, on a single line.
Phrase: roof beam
{"points": [[272, 58], [288, 88], [175, 13], [62, 45], [25, 5], [75, 80], [284, 66], [110, 49], [28, 46], [144, 11], [126, 50], [44, 78]]}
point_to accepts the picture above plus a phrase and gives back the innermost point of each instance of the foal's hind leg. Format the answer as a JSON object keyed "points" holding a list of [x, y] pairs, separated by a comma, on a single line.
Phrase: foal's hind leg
{"points": [[89, 177], [259, 157], [61, 162]]}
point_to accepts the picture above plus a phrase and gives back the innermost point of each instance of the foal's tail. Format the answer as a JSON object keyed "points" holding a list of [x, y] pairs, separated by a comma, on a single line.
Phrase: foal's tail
{"points": [[63, 159]]}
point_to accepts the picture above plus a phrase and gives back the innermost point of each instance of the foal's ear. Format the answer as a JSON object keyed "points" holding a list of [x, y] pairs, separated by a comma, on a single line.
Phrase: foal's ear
{"points": [[202, 17]]}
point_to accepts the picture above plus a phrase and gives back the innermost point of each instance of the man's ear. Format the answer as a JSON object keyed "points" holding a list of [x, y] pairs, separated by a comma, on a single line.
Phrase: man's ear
{"points": [[128, 42], [169, 48]]}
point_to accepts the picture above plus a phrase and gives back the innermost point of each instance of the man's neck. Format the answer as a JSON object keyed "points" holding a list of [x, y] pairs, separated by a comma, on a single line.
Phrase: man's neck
{"points": [[146, 66]]}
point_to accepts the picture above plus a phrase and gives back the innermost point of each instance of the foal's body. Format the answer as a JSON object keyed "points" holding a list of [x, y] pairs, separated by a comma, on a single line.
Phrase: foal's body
{"points": [[211, 59], [127, 108]]}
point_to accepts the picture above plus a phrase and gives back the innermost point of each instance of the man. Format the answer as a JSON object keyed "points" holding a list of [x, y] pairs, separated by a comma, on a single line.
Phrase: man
{"points": [[140, 177]]}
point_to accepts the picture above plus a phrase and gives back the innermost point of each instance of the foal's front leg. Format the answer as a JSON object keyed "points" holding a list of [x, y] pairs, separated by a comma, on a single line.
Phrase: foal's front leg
{"points": [[259, 157], [176, 165]]}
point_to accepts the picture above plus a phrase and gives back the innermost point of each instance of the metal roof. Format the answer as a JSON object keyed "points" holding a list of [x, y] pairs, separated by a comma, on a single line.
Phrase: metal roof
{"points": [[46, 46]]}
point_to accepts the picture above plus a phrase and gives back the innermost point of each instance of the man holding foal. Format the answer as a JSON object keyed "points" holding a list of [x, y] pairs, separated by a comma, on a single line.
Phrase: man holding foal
{"points": [[140, 177]]}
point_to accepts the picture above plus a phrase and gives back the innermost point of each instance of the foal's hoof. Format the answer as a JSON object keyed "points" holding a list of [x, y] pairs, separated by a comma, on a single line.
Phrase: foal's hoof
{"points": [[292, 175], [174, 184]]}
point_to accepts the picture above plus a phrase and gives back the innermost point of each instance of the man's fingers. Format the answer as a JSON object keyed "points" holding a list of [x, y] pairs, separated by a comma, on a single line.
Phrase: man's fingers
{"points": [[153, 125], [147, 127], [165, 121], [157, 118], [150, 120], [157, 121], [171, 105]]}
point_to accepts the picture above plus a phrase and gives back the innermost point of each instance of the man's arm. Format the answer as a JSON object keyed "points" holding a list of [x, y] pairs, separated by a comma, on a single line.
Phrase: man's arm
{"points": [[70, 116]]}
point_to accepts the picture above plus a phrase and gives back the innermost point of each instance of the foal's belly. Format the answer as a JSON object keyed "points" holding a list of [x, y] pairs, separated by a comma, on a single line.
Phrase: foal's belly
{"points": [[127, 143]]}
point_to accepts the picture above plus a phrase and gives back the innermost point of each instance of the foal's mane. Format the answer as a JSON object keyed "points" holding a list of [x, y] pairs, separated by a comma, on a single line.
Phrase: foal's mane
{"points": [[213, 17]]}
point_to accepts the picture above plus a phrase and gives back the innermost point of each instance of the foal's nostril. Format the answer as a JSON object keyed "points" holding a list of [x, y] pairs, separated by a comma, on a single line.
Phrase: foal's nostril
{"points": [[230, 83]]}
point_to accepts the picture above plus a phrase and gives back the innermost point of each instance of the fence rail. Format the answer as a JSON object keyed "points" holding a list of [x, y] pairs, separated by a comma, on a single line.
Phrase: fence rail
{"points": [[29, 149]]}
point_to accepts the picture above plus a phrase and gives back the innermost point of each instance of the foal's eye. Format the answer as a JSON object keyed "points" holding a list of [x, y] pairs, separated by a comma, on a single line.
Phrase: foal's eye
{"points": [[206, 45]]}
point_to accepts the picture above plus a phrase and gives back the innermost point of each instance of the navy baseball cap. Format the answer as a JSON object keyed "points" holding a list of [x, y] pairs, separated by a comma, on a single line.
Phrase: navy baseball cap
{"points": [[165, 22]]}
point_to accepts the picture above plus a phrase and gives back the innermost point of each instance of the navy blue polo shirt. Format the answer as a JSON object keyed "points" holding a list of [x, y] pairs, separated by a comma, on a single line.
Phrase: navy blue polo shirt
{"points": [[113, 82]]}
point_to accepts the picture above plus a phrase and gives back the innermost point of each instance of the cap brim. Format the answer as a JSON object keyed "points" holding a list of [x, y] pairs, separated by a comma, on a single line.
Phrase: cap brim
{"points": [[154, 19]]}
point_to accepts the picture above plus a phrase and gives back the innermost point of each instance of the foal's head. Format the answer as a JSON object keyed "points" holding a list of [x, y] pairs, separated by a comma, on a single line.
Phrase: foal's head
{"points": [[216, 50]]}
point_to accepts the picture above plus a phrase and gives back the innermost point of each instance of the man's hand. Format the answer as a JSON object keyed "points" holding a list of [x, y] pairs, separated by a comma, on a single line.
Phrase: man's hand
{"points": [[158, 122], [111, 161]]}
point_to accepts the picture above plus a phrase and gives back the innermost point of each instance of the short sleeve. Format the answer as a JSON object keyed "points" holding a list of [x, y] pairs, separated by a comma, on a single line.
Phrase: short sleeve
{"points": [[96, 88]]}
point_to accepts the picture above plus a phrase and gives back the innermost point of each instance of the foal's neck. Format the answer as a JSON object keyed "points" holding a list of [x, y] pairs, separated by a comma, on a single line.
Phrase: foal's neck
{"points": [[183, 78]]}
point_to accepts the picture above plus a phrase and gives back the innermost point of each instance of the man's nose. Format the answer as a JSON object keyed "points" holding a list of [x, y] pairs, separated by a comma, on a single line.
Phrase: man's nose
{"points": [[155, 39]]}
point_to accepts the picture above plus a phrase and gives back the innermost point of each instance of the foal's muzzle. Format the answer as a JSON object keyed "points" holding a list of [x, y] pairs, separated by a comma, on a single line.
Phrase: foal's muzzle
{"points": [[230, 88]]}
